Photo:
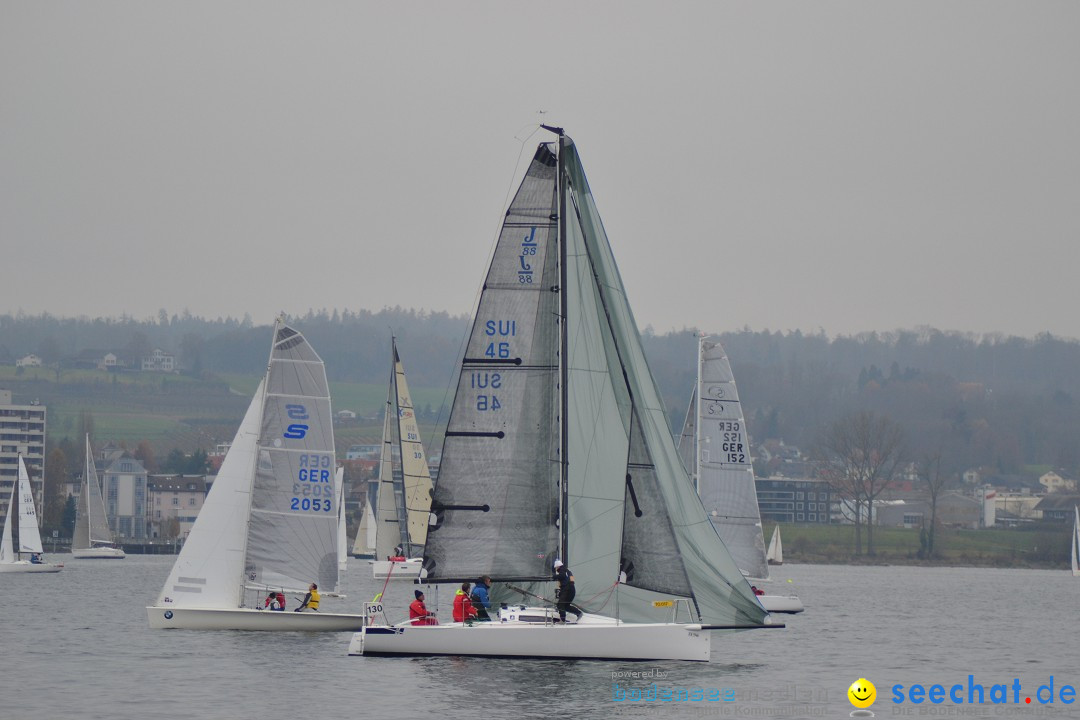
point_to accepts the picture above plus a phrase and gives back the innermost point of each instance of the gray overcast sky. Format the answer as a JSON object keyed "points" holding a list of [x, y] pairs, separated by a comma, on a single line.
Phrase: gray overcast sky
{"points": [[848, 166]]}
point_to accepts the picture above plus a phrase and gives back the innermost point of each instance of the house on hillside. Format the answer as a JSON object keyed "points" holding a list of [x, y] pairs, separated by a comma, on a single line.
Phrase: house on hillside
{"points": [[30, 360], [1054, 482], [159, 361]]}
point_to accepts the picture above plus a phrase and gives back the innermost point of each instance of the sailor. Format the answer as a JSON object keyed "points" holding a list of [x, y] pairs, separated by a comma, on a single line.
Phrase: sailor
{"points": [[463, 607], [418, 612], [564, 591], [481, 601], [311, 600]]}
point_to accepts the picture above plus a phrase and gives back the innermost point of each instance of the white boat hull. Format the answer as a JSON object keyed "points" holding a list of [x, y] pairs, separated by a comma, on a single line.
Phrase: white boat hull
{"points": [[181, 618], [789, 604], [622, 641], [411, 569], [99, 553], [23, 566]]}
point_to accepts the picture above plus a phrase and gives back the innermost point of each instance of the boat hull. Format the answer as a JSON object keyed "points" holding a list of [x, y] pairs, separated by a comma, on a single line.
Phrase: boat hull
{"points": [[411, 569], [622, 641], [789, 604], [23, 566], [181, 618], [100, 553]]}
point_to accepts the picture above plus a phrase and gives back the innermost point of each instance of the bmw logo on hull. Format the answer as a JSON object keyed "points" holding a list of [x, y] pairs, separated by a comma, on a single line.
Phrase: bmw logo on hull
{"points": [[168, 614]]}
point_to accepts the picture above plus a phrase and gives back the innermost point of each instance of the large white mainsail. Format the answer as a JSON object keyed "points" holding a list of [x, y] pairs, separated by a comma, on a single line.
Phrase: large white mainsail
{"points": [[721, 462], [270, 521], [29, 535], [7, 544], [581, 468]]}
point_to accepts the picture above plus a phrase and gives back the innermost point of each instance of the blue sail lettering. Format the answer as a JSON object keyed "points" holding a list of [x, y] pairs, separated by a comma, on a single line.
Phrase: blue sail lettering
{"points": [[504, 328], [482, 380]]}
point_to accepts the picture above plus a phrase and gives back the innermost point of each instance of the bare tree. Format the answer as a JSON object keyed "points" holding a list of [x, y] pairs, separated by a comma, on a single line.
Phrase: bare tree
{"points": [[933, 480], [859, 455]]}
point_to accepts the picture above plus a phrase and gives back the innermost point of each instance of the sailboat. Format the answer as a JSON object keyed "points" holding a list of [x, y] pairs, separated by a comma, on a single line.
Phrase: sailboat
{"points": [[557, 448], [93, 539], [403, 508], [11, 560], [716, 453], [269, 522], [775, 554], [1076, 542], [364, 546]]}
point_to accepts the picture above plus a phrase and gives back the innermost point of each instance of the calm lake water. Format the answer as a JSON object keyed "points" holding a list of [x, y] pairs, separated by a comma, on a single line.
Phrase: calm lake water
{"points": [[76, 645]]}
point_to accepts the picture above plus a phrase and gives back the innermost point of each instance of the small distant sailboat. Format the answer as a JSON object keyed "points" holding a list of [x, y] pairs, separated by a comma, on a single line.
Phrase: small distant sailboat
{"points": [[364, 547], [93, 539], [269, 523], [1076, 542], [716, 453], [775, 554], [402, 525], [29, 538]]}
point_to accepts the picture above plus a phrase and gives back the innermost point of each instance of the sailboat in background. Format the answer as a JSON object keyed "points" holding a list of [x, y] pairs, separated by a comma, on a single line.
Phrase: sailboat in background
{"points": [[775, 554], [558, 448], [93, 539], [364, 546], [404, 505], [1076, 543], [29, 537], [716, 453], [269, 522]]}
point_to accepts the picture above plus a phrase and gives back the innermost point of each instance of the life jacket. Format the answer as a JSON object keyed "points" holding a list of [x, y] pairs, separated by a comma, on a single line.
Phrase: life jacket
{"points": [[463, 607], [313, 603]]}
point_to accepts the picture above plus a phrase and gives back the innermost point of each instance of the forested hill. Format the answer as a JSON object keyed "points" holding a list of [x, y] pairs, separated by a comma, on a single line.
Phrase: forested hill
{"points": [[990, 400]]}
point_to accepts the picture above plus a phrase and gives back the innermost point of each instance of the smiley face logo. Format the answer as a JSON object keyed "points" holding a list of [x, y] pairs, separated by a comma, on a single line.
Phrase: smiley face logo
{"points": [[862, 693]]}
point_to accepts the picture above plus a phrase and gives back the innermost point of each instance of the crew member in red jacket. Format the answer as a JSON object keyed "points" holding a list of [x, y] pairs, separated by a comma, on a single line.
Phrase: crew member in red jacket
{"points": [[463, 607]]}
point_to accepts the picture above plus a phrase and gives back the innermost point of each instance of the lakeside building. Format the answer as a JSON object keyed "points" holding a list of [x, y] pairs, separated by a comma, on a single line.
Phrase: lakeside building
{"points": [[178, 497], [124, 490], [796, 500], [22, 432]]}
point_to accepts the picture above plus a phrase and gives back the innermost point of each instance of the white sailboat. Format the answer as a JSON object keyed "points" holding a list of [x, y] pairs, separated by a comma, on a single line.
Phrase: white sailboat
{"points": [[558, 447], [404, 506], [364, 546], [270, 520], [1076, 543], [93, 539], [11, 557], [775, 553], [716, 453]]}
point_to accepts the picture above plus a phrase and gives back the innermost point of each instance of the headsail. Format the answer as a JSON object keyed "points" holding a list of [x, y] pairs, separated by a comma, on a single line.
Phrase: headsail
{"points": [[1076, 543], [390, 531], [7, 544]]}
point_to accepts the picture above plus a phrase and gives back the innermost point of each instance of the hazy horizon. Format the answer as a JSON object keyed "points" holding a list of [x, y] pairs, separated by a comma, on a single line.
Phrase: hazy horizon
{"points": [[834, 166]]}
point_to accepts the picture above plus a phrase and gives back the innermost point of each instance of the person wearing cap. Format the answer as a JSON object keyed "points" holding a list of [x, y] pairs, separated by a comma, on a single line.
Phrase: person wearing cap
{"points": [[564, 591], [418, 612]]}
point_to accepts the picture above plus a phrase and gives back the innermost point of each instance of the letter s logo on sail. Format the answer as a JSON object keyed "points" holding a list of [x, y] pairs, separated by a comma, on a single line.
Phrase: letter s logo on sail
{"points": [[296, 431]]}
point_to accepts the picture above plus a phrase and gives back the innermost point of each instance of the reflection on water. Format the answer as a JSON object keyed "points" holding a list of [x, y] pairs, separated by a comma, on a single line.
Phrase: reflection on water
{"points": [[76, 644]]}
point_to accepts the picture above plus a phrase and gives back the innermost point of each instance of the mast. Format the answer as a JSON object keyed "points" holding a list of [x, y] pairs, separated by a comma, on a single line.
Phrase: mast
{"points": [[695, 404], [564, 368], [255, 464]]}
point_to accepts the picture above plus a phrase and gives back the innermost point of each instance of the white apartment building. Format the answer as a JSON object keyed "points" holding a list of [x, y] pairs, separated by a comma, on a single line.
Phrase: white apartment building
{"points": [[22, 432]]}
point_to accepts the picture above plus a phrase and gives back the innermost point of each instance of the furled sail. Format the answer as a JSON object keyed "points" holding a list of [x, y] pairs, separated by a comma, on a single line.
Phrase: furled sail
{"points": [[496, 500]]}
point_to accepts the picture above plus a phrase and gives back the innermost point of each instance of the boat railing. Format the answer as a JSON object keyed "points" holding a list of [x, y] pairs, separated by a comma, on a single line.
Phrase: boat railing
{"points": [[685, 604]]}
